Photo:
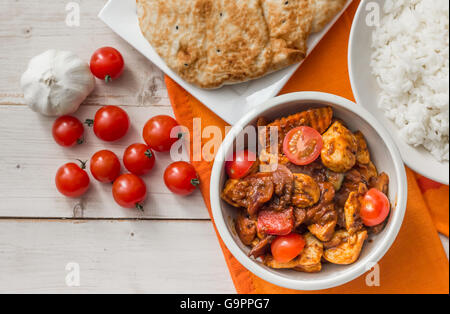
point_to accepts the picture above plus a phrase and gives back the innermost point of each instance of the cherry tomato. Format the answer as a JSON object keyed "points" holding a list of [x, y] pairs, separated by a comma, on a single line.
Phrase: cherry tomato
{"points": [[375, 208], [241, 165], [111, 123], [107, 64], [157, 131], [181, 178], [139, 159], [71, 180], [276, 222], [286, 248], [302, 145], [105, 166], [129, 191], [68, 131]]}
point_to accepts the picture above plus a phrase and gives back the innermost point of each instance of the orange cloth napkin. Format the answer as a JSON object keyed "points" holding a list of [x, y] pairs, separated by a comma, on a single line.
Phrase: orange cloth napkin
{"points": [[416, 263]]}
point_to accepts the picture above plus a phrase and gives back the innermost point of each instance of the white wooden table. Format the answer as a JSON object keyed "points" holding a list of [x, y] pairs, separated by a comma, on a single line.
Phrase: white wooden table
{"points": [[171, 247]]}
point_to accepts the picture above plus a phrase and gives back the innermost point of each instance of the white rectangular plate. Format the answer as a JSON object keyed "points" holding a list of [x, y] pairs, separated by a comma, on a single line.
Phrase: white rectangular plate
{"points": [[230, 102]]}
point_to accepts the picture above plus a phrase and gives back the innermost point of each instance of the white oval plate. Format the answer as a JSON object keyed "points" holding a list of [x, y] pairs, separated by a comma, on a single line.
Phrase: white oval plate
{"points": [[230, 102], [366, 91]]}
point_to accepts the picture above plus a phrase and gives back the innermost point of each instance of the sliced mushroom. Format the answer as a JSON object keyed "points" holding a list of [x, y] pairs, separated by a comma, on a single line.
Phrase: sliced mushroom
{"points": [[261, 247], [306, 191], [362, 155], [323, 232], [349, 249]]}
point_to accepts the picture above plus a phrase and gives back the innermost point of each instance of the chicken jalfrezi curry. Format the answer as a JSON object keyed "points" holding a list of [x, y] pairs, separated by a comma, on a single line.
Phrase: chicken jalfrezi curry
{"points": [[321, 199]]}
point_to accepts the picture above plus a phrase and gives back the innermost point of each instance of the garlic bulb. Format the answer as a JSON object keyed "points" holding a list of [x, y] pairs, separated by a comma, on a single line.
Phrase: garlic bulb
{"points": [[56, 83]]}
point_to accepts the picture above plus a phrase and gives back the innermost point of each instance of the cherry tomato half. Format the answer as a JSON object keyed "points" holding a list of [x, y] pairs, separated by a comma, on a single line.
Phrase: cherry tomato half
{"points": [[302, 145], [375, 208], [286, 248], [68, 131], [276, 222], [139, 159], [181, 178], [105, 166], [241, 165], [107, 64], [129, 191], [111, 123], [71, 180], [157, 131]]}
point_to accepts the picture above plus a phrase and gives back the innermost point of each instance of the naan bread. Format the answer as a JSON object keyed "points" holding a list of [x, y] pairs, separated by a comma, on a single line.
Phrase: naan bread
{"points": [[324, 11], [210, 43]]}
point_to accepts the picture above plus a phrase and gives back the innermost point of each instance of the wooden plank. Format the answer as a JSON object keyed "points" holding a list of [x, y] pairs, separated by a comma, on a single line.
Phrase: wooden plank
{"points": [[29, 159], [113, 257], [28, 28]]}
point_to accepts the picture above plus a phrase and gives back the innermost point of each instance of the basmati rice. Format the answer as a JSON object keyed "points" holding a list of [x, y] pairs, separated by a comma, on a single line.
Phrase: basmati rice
{"points": [[411, 64]]}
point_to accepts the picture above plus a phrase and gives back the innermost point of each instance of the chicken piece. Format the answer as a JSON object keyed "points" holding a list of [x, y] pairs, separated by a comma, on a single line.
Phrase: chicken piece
{"points": [[246, 228], [306, 191], [309, 259], [319, 119], [349, 248], [336, 240], [323, 232], [362, 155], [251, 192], [317, 268], [352, 209], [340, 148], [311, 256], [381, 183], [323, 212], [367, 172]]}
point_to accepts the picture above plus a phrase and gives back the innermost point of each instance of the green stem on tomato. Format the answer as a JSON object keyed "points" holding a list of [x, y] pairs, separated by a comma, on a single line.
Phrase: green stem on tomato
{"points": [[149, 154], [195, 182], [139, 207], [89, 122], [108, 78], [83, 163]]}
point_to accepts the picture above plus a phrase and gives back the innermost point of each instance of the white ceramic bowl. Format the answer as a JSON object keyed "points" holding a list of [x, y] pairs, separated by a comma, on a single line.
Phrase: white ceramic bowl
{"points": [[366, 91], [385, 156]]}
